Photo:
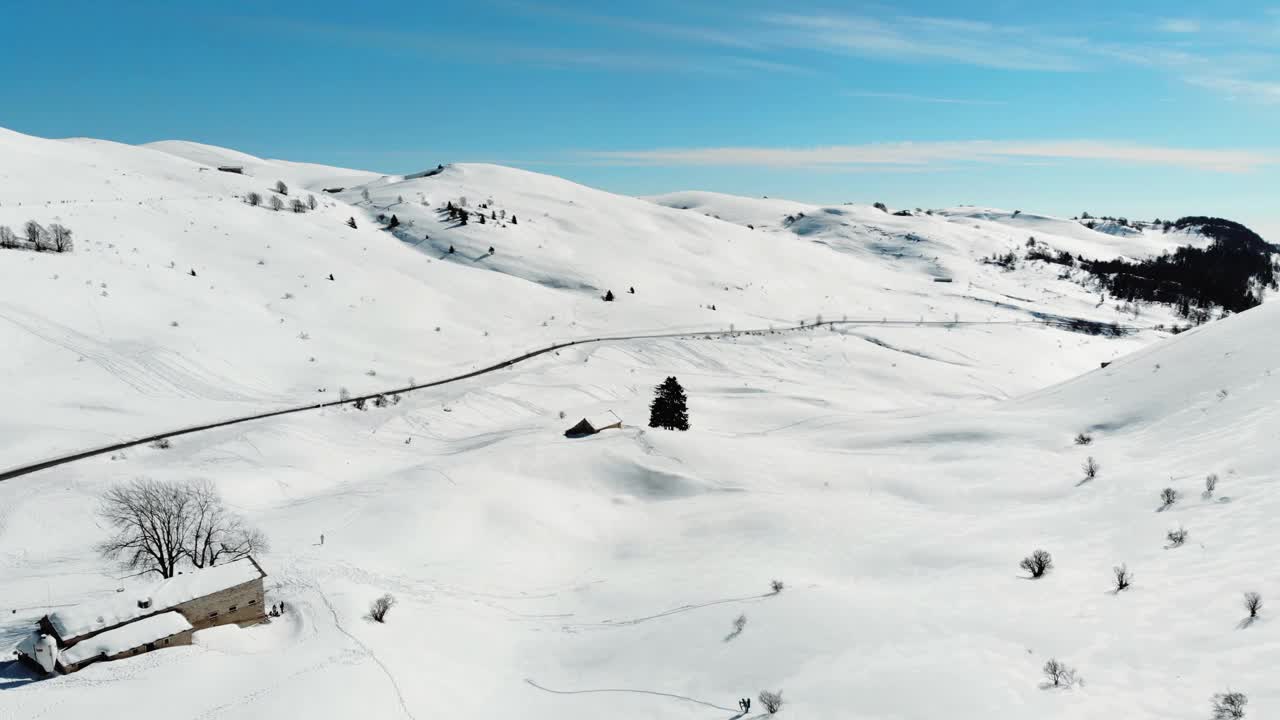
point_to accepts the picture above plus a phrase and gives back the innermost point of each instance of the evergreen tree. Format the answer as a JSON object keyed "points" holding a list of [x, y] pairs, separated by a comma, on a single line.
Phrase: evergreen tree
{"points": [[513, 220], [668, 409], [395, 222], [608, 296]]}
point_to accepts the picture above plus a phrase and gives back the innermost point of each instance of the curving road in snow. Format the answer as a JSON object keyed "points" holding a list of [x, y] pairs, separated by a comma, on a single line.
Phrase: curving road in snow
{"points": [[124, 444]]}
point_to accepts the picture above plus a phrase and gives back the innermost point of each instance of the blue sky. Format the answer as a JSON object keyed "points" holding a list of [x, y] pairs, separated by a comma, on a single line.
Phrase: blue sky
{"points": [[1138, 108]]}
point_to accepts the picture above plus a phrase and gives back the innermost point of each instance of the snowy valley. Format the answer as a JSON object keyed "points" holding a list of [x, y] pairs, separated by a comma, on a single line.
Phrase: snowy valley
{"points": [[886, 416]]}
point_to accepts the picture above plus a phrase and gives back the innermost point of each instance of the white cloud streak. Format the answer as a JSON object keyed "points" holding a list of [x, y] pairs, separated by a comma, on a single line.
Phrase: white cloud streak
{"points": [[924, 154]]}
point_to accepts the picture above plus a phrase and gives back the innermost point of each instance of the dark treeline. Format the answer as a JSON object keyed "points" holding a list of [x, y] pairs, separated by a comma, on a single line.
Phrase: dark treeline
{"points": [[1232, 272]]}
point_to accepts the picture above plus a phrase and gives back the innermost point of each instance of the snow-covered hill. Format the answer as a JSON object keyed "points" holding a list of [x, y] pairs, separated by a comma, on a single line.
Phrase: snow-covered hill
{"points": [[891, 475]]}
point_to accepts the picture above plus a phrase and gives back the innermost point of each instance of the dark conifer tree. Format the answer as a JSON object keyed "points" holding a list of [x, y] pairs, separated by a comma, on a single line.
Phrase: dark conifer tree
{"points": [[351, 222], [513, 220], [395, 222], [669, 409], [608, 296]]}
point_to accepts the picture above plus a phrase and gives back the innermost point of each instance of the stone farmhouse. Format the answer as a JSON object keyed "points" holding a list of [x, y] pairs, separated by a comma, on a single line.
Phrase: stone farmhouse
{"points": [[162, 615]]}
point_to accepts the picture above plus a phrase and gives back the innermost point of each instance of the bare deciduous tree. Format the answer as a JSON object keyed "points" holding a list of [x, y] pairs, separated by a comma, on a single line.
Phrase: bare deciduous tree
{"points": [[1176, 537], [1168, 497], [311, 202], [364, 194], [1124, 578], [60, 236], [156, 526], [7, 238], [281, 187], [1058, 674], [151, 522], [254, 199], [1037, 563], [1229, 705], [776, 586], [1084, 439], [217, 534], [297, 205], [772, 701], [276, 203], [36, 235], [1253, 603], [380, 607]]}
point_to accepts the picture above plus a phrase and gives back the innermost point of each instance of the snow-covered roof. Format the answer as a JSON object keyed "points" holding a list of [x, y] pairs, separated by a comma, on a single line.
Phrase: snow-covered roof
{"points": [[126, 637], [72, 622]]}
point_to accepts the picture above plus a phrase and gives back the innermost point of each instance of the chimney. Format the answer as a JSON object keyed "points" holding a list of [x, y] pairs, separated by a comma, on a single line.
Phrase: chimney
{"points": [[144, 603]]}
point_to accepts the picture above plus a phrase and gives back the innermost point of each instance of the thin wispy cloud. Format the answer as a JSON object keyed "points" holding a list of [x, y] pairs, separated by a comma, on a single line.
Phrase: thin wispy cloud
{"points": [[1259, 91], [921, 39], [919, 154], [908, 97], [1176, 25]]}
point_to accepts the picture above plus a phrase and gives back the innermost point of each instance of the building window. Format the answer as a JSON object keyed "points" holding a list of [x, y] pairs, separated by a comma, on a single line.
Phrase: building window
{"points": [[213, 614], [233, 609], [253, 602]]}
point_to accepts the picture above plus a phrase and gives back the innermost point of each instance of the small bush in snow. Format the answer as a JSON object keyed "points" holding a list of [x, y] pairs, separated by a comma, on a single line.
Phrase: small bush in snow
{"points": [[1084, 439], [281, 187], [739, 623], [380, 607], [1210, 484], [1229, 706], [880, 206], [1253, 603], [359, 404], [1058, 675], [1168, 497], [344, 394], [1177, 537], [380, 401], [1124, 578], [776, 586], [772, 701], [162, 444], [1037, 563], [1090, 468]]}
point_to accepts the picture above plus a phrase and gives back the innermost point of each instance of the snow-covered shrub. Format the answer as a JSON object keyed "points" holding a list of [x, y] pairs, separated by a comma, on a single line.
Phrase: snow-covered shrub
{"points": [[1253, 603], [1084, 439], [1177, 537], [162, 444], [1210, 484], [380, 607], [1168, 497], [1123, 577], [1090, 468], [776, 586], [772, 701], [1037, 563]]}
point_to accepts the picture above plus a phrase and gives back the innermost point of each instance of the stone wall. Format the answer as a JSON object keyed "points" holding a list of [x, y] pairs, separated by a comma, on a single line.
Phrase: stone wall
{"points": [[182, 638], [241, 605]]}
